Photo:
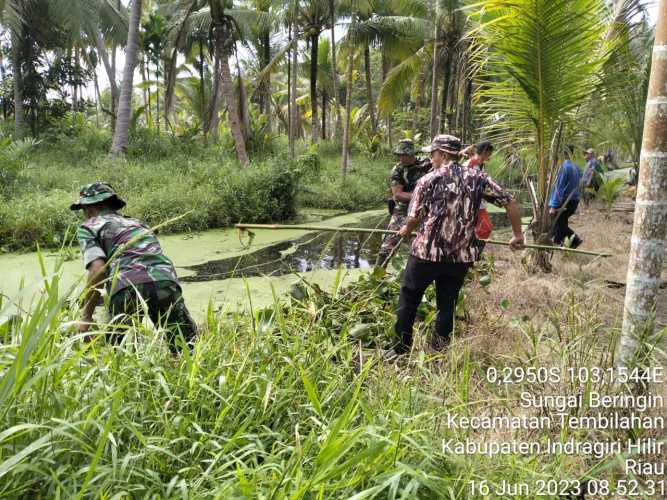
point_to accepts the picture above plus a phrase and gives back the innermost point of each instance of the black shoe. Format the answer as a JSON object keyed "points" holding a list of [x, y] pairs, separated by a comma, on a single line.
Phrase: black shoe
{"points": [[576, 241]]}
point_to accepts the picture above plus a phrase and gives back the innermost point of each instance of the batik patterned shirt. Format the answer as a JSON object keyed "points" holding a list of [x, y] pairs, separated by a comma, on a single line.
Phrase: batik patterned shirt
{"points": [[446, 202], [129, 246], [407, 176]]}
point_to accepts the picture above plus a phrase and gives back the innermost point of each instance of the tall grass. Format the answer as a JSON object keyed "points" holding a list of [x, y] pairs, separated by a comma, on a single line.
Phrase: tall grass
{"points": [[279, 403]]}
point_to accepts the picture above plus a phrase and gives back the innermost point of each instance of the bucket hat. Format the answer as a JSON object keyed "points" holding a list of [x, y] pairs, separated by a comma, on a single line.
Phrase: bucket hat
{"points": [[405, 147], [97, 192], [443, 142]]}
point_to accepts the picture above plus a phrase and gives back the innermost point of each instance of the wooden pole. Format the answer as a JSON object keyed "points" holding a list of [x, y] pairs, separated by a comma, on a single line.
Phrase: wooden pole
{"points": [[272, 227]]}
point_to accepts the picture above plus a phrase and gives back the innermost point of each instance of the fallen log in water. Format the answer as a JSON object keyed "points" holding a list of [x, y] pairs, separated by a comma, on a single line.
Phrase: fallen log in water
{"points": [[244, 227]]}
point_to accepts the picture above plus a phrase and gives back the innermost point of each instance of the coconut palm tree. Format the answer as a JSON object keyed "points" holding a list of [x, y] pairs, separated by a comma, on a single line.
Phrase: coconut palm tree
{"points": [[546, 59], [396, 28], [12, 16], [313, 17], [649, 233], [94, 23], [223, 29], [348, 91], [121, 132]]}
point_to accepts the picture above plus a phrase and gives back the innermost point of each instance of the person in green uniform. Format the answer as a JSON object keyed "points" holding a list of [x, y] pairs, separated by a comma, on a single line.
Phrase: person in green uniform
{"points": [[125, 255], [403, 179]]}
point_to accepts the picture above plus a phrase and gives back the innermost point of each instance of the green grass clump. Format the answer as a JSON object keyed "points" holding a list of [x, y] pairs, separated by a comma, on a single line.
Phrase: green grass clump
{"points": [[366, 185], [165, 177], [277, 403], [217, 194]]}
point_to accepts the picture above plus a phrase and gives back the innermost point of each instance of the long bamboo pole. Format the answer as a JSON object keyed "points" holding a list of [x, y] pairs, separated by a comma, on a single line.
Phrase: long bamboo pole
{"points": [[388, 231]]}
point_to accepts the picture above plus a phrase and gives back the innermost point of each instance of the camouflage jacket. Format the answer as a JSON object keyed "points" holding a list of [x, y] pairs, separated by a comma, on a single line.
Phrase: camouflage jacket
{"points": [[446, 202], [407, 176], [131, 247]]}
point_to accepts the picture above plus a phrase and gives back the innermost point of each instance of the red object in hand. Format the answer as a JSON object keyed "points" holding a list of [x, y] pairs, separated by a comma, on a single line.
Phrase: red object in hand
{"points": [[484, 227]]}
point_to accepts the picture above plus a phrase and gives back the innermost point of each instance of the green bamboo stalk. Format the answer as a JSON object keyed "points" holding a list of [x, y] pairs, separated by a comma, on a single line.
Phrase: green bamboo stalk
{"points": [[388, 231]]}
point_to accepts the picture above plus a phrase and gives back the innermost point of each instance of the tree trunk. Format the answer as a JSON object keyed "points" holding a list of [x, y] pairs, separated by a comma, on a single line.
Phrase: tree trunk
{"points": [[369, 87], [232, 110], [97, 98], [224, 44], [650, 224], [324, 115], [314, 43], [116, 98], [216, 102], [290, 139], [292, 97], [19, 117], [121, 133], [202, 91], [385, 70], [334, 71], [171, 68], [75, 95], [434, 86], [467, 111], [243, 104], [108, 68], [348, 109], [445, 125], [265, 94], [157, 92], [418, 102], [2, 78], [144, 91]]}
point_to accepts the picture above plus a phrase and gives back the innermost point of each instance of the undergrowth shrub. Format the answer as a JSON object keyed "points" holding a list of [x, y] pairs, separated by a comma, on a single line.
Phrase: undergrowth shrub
{"points": [[211, 196]]}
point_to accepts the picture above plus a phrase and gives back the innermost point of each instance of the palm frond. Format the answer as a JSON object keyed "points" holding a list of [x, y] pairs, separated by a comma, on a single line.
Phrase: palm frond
{"points": [[546, 59], [399, 80]]}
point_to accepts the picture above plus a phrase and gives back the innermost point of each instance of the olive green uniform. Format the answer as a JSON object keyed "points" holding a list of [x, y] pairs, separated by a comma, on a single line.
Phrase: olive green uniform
{"points": [[407, 177]]}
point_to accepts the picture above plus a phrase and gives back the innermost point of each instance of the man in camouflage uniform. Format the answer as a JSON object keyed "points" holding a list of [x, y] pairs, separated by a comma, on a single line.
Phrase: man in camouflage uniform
{"points": [[125, 254], [403, 179]]}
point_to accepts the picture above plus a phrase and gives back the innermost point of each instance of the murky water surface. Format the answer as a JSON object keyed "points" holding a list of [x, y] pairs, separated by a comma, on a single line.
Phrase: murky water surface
{"points": [[312, 252]]}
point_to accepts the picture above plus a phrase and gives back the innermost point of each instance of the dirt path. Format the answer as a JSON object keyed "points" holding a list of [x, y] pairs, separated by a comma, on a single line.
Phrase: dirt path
{"points": [[602, 280]]}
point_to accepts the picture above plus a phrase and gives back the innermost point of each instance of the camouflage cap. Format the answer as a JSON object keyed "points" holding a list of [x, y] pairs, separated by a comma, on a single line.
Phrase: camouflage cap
{"points": [[405, 147], [590, 151], [97, 192], [443, 142]]}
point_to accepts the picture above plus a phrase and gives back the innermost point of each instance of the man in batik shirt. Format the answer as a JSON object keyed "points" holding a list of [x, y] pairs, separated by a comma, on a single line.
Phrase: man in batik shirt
{"points": [[443, 212], [124, 254], [404, 177]]}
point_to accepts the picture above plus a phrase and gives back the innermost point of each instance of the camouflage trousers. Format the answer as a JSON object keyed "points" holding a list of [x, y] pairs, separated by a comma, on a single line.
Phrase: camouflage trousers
{"points": [[391, 240], [165, 307]]}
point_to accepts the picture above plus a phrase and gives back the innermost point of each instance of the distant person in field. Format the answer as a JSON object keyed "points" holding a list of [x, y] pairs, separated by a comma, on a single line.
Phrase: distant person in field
{"points": [[126, 256], [564, 200], [442, 214], [481, 153], [404, 176], [591, 179]]}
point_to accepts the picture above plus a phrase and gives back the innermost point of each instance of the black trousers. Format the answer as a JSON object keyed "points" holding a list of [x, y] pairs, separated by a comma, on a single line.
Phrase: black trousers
{"points": [[419, 274], [165, 305], [562, 229]]}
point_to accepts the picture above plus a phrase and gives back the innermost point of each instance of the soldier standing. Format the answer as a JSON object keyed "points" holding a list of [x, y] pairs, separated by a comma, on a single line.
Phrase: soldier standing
{"points": [[403, 179], [443, 212], [125, 254]]}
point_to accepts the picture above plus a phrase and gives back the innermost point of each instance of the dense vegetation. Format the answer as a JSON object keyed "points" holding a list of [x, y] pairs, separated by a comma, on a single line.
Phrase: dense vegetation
{"points": [[289, 401], [217, 194], [249, 110]]}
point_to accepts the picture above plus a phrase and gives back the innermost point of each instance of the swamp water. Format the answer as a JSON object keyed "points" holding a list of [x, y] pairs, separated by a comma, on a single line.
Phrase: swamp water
{"points": [[218, 267]]}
